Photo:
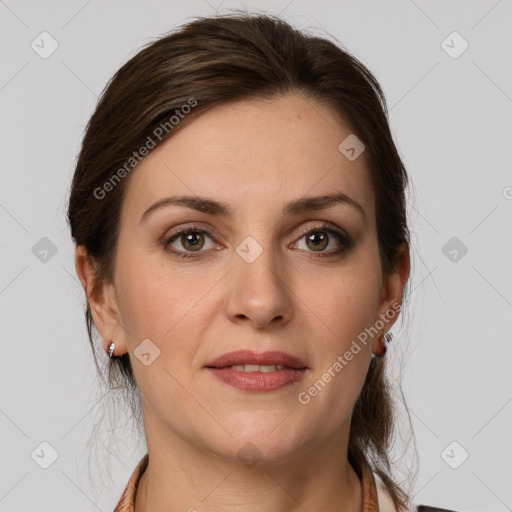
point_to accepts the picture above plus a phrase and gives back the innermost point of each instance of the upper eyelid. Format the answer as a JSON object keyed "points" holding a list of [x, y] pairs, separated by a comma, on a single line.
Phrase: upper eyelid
{"points": [[192, 229], [325, 225]]}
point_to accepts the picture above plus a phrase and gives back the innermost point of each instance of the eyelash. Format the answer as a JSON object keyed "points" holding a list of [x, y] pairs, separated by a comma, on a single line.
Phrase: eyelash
{"points": [[343, 239]]}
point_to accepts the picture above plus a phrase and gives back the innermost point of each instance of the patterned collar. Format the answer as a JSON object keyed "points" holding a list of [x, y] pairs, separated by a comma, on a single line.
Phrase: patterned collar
{"points": [[371, 493]]}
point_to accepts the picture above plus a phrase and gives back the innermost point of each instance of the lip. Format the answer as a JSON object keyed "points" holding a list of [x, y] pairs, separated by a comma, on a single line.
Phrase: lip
{"points": [[259, 358], [293, 370]]}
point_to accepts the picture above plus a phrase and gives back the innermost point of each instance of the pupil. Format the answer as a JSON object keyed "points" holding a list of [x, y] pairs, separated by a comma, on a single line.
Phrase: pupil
{"points": [[312, 236], [318, 243], [192, 241]]}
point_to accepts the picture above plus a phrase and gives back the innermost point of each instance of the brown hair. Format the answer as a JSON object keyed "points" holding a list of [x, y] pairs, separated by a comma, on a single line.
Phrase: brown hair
{"points": [[212, 61]]}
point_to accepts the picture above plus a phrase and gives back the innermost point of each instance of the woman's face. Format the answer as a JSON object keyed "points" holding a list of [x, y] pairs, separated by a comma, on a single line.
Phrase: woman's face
{"points": [[272, 269]]}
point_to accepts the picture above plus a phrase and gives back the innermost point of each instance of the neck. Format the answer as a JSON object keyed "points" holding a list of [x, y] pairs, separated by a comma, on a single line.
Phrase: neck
{"points": [[182, 477]]}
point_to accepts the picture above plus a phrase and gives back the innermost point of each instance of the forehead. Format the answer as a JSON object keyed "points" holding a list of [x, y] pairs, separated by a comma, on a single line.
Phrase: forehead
{"points": [[254, 154]]}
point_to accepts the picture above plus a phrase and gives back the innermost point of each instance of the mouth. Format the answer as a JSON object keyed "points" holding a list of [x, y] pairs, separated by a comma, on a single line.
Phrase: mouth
{"points": [[264, 368], [257, 372]]}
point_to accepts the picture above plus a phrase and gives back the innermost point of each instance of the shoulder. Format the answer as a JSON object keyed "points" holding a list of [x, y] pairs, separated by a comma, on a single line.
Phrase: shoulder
{"points": [[426, 508], [386, 503]]}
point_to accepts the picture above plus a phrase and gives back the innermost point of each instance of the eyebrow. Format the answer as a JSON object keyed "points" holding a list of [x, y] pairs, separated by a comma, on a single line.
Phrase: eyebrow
{"points": [[295, 207]]}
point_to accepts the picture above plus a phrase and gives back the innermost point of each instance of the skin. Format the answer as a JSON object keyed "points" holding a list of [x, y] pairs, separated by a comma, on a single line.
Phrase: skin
{"points": [[255, 156]]}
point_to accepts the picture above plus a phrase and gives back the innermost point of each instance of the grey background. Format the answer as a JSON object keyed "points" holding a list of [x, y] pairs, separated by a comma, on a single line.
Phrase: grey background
{"points": [[451, 118]]}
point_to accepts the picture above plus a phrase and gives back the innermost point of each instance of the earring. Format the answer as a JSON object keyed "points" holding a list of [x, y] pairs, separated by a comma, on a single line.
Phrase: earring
{"points": [[385, 338], [111, 349]]}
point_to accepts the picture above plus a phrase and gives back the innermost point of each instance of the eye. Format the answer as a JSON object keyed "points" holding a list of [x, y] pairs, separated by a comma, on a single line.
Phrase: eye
{"points": [[320, 238], [185, 242], [191, 240]]}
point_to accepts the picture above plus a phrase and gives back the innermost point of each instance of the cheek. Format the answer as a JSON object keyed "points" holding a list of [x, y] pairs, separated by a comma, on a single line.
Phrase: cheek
{"points": [[344, 310], [348, 309], [156, 305], [166, 305], [152, 300], [348, 302]]}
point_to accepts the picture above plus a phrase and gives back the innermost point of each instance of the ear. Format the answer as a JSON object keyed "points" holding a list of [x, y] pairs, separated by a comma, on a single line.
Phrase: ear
{"points": [[102, 301], [391, 293]]}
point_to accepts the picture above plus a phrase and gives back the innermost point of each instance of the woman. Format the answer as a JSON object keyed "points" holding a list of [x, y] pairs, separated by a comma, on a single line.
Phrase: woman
{"points": [[239, 214]]}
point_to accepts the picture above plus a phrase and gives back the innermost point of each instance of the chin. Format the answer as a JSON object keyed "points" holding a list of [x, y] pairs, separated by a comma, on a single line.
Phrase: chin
{"points": [[261, 442]]}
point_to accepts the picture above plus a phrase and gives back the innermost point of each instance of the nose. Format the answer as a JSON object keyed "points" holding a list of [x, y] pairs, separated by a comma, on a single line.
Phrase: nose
{"points": [[260, 292]]}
